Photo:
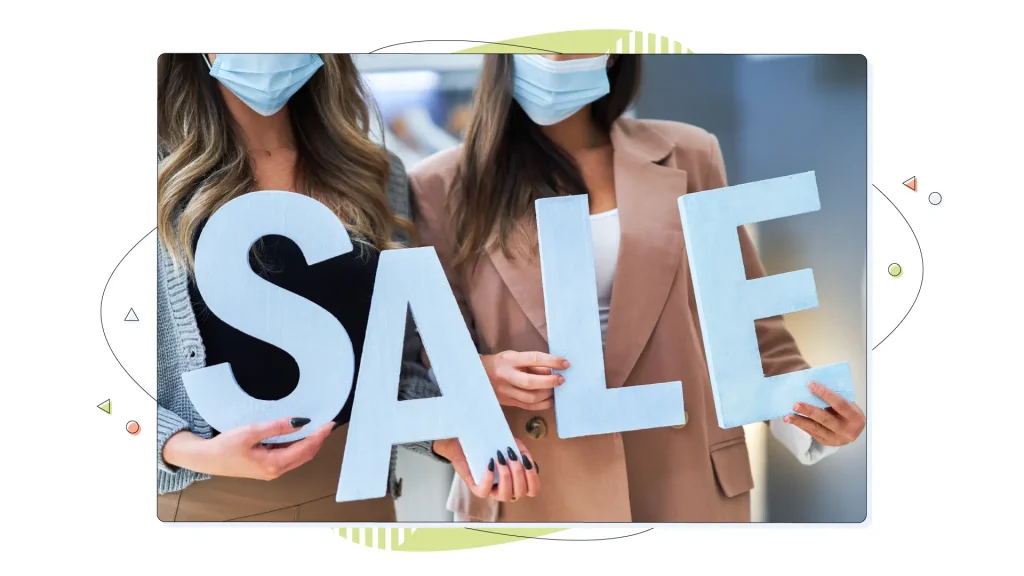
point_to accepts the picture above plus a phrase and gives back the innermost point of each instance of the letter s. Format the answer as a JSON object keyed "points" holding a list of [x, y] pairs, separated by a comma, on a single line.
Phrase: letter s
{"points": [[315, 339]]}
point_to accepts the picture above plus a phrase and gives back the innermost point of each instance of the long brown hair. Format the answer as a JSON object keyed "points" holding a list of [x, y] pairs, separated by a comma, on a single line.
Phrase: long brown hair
{"points": [[507, 162], [204, 162]]}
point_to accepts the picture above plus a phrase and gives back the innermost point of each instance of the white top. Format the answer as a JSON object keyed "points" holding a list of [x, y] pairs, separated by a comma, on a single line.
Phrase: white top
{"points": [[604, 232]]}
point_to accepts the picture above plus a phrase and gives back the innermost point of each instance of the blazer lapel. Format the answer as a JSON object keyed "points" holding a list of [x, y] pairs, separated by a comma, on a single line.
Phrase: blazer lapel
{"points": [[650, 249], [522, 277], [651, 243]]}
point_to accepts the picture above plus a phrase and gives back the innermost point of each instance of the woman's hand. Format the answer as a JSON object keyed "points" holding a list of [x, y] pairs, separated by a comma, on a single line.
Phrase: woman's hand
{"points": [[524, 379], [517, 477], [240, 453], [836, 426]]}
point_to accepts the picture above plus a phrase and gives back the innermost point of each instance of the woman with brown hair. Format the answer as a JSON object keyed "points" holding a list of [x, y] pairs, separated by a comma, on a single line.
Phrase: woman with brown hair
{"points": [[229, 124], [547, 125]]}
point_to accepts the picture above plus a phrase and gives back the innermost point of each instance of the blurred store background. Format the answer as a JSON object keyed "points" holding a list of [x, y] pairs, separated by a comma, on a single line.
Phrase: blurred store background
{"points": [[774, 116]]}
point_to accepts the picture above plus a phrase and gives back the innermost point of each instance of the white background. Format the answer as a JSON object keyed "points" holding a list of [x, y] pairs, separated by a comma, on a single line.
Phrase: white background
{"points": [[79, 132]]}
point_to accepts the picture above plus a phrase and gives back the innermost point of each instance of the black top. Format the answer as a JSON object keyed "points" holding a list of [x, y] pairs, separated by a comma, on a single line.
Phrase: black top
{"points": [[342, 286]]}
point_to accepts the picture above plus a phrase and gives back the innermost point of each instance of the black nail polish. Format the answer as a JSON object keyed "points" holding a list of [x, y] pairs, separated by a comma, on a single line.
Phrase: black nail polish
{"points": [[300, 422], [537, 466], [512, 455], [490, 465], [335, 427], [526, 462], [501, 458]]}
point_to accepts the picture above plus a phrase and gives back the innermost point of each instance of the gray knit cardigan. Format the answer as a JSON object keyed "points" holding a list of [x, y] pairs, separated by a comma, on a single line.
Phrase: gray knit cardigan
{"points": [[180, 349]]}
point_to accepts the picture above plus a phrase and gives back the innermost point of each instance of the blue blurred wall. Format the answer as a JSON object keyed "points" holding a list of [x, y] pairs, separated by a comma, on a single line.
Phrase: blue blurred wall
{"points": [[779, 116]]}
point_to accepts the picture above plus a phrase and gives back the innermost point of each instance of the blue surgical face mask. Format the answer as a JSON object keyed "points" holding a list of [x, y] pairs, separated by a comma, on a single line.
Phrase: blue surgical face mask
{"points": [[550, 91], [264, 82]]}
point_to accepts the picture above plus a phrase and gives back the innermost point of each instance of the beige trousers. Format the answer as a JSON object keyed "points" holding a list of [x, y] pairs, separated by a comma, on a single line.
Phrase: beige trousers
{"points": [[305, 494]]}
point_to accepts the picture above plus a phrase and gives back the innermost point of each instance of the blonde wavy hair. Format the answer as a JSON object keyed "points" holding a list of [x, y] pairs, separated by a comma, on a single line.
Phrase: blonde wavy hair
{"points": [[204, 163]]}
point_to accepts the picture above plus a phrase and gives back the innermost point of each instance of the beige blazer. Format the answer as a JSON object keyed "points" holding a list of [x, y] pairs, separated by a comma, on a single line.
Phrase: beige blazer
{"points": [[697, 472]]}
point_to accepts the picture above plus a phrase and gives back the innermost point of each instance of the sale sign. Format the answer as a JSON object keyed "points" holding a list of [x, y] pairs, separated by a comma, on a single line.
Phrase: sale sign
{"points": [[413, 279]]}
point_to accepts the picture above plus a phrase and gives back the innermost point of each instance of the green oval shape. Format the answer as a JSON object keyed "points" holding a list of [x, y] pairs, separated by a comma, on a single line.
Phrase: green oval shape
{"points": [[584, 41], [439, 539]]}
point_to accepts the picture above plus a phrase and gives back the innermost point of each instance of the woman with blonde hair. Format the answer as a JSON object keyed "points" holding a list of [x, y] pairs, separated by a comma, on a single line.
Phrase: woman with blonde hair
{"points": [[229, 124]]}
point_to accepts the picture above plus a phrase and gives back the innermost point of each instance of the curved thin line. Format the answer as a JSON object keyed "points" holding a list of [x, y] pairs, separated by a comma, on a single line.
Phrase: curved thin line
{"points": [[455, 53], [104, 329], [558, 539], [920, 253]]}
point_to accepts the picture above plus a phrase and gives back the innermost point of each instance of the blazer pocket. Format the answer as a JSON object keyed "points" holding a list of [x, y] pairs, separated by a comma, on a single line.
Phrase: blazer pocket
{"points": [[731, 463]]}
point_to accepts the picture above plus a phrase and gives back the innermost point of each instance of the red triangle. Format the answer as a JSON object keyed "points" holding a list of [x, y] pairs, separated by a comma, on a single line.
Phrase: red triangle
{"points": [[911, 183]]}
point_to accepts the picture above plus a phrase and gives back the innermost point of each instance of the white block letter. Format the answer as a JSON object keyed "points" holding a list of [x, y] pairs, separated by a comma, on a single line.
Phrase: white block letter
{"points": [[728, 304], [239, 297], [584, 405], [413, 278]]}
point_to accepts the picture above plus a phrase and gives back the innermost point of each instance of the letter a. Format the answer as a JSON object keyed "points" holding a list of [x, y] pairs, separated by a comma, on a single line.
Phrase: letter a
{"points": [[468, 409]]}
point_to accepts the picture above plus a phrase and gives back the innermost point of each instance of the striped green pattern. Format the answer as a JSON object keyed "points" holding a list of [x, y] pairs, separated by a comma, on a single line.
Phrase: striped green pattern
{"points": [[438, 539], [583, 41]]}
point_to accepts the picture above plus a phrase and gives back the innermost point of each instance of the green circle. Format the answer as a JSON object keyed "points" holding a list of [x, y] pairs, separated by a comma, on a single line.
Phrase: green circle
{"points": [[895, 270]]}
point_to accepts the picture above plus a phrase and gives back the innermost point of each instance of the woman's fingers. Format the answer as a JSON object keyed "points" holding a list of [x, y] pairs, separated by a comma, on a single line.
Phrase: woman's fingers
{"points": [[307, 448], [535, 406], [538, 359], [540, 381], [525, 379], [847, 418], [516, 474], [530, 468], [817, 431], [521, 379], [537, 370], [519, 483], [525, 397], [278, 446], [827, 419], [837, 402], [481, 490], [279, 461], [257, 433], [503, 491]]}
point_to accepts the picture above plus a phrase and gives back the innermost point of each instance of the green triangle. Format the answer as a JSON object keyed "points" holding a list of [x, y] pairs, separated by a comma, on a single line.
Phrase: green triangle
{"points": [[105, 406]]}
